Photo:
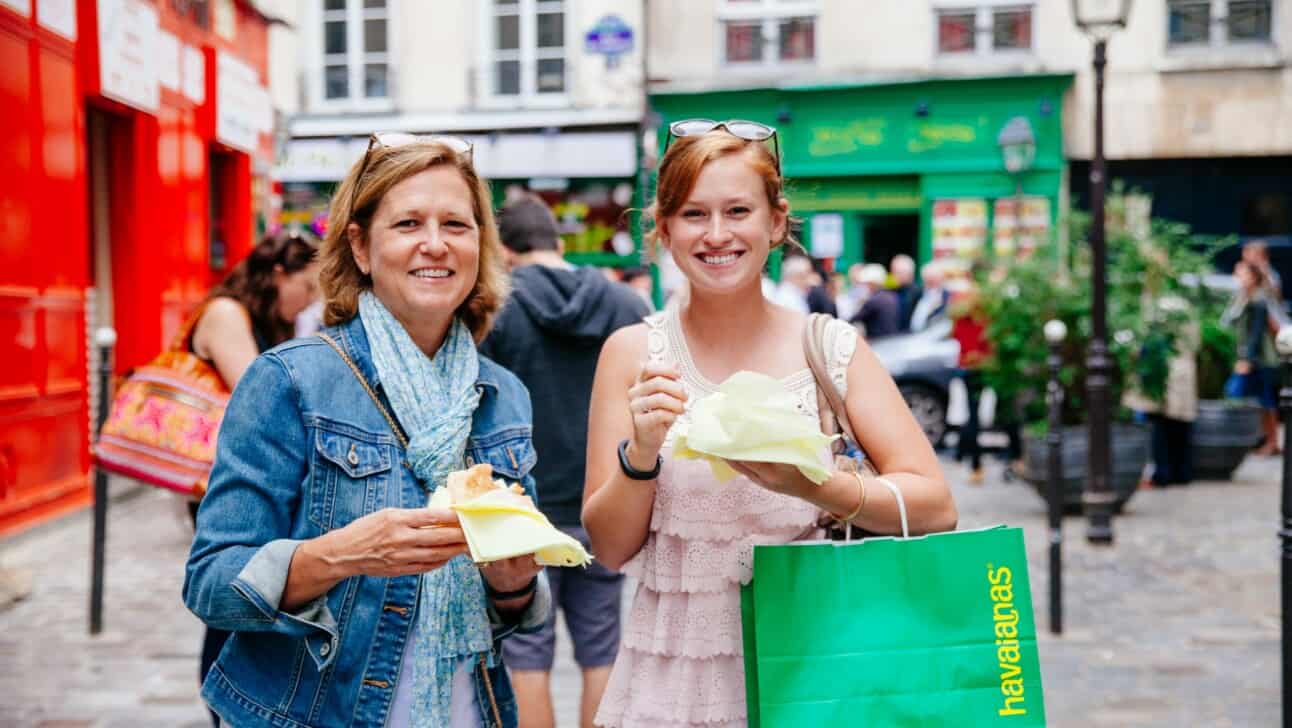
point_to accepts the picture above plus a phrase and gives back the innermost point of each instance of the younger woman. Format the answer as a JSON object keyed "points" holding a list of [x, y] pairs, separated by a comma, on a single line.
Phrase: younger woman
{"points": [[687, 538]]}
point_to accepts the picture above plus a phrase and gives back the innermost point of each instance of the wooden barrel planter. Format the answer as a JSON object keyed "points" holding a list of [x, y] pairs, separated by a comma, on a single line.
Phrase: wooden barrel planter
{"points": [[1223, 434], [1130, 452]]}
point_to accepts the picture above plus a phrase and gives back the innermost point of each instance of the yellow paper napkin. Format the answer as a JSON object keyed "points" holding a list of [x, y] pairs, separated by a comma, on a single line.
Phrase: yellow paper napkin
{"points": [[497, 527], [752, 417]]}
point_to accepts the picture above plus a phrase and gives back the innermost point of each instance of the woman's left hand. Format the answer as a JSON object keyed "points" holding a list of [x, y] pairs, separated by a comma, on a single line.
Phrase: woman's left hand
{"points": [[776, 477], [512, 574]]}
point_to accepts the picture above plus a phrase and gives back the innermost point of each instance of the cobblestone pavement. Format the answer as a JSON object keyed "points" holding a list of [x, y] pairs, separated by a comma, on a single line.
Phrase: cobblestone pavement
{"points": [[1175, 625]]}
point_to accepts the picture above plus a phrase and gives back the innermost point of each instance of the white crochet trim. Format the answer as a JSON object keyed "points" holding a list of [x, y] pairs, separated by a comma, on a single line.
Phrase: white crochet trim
{"points": [[840, 345]]}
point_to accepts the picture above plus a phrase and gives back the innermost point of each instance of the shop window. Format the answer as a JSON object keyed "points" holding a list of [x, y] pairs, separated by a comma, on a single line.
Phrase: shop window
{"points": [[356, 52], [984, 31], [526, 50], [768, 32], [1204, 23]]}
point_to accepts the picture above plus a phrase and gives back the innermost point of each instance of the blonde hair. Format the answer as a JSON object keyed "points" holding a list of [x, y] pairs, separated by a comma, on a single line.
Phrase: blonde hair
{"points": [[681, 166], [339, 275]]}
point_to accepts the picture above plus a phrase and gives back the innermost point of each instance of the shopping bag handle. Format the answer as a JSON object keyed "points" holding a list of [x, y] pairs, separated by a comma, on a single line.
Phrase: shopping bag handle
{"points": [[901, 509]]}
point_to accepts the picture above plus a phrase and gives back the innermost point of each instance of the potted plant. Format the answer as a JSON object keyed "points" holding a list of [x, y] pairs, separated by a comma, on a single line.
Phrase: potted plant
{"points": [[1020, 297], [1226, 429]]}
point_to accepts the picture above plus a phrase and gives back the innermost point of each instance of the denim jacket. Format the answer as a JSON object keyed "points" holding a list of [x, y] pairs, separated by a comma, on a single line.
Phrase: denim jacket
{"points": [[303, 450]]}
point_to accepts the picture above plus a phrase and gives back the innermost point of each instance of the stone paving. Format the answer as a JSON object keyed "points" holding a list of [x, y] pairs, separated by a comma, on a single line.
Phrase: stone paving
{"points": [[1175, 625]]}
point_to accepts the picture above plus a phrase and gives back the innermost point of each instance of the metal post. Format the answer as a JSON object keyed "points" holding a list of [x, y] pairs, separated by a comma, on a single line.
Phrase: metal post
{"points": [[1055, 471], [1099, 497], [105, 338], [1285, 533]]}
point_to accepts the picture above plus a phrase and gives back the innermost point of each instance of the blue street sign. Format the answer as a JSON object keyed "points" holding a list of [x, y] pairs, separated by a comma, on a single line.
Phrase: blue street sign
{"points": [[610, 37]]}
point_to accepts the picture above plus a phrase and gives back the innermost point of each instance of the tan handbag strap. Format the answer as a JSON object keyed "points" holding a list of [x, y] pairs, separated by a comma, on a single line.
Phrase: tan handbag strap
{"points": [[354, 368], [829, 402]]}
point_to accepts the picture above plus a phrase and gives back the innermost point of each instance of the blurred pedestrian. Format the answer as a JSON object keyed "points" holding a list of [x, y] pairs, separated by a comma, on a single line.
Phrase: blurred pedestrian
{"points": [[1257, 253], [819, 296], [350, 601], [688, 538], [1173, 416], [932, 303], [253, 309], [908, 291], [639, 279], [1256, 374], [550, 335], [853, 295], [969, 329], [796, 282], [881, 313]]}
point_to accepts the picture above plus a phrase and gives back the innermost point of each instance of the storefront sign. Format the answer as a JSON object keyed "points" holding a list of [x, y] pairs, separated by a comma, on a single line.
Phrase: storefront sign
{"points": [[243, 110], [59, 16], [194, 76], [128, 53], [827, 235], [169, 60], [959, 228], [610, 37], [22, 7]]}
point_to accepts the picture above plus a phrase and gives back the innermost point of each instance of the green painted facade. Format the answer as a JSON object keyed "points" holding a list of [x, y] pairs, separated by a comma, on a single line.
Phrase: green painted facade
{"points": [[893, 148]]}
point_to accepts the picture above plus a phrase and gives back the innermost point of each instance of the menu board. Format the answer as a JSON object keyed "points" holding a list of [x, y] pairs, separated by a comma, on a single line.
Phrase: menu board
{"points": [[959, 228], [1015, 235]]}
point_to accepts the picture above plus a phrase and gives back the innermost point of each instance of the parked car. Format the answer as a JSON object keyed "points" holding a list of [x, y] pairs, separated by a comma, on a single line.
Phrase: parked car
{"points": [[923, 364]]}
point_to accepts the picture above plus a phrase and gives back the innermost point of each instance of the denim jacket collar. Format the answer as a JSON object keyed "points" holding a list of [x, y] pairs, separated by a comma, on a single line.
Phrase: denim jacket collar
{"points": [[354, 339]]}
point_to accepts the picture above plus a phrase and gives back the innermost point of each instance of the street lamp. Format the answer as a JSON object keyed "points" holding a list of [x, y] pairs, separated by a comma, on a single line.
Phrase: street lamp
{"points": [[1283, 342], [1018, 148], [1055, 332], [1099, 19]]}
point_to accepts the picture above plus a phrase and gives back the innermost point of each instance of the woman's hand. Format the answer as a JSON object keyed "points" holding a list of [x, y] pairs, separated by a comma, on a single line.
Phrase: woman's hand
{"points": [[398, 542], [655, 400], [776, 477], [509, 575], [1242, 367]]}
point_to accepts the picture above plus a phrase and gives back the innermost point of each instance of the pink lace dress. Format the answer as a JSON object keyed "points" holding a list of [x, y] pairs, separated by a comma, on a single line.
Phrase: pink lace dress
{"points": [[681, 659]]}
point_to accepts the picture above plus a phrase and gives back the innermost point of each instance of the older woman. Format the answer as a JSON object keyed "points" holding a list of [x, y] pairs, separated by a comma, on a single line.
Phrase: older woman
{"points": [[351, 602]]}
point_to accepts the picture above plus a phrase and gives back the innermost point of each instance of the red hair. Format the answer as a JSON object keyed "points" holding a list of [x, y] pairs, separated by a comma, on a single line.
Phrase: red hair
{"points": [[681, 166]]}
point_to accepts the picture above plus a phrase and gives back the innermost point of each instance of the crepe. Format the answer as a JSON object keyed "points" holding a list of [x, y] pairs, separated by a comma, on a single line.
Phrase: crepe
{"points": [[501, 521], [752, 417]]}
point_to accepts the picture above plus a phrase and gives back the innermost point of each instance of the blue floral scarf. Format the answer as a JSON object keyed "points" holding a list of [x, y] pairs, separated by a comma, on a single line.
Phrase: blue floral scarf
{"points": [[434, 399]]}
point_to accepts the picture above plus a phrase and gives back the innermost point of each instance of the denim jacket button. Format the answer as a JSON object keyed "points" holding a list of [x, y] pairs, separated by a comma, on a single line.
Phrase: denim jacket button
{"points": [[353, 457]]}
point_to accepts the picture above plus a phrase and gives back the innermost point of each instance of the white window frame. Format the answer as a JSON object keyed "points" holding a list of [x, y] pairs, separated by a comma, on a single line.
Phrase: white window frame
{"points": [[529, 54], [1218, 37], [983, 50], [356, 58], [771, 13]]}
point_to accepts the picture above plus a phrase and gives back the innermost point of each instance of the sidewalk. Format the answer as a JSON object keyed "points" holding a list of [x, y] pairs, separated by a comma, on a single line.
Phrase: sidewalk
{"points": [[1175, 625]]}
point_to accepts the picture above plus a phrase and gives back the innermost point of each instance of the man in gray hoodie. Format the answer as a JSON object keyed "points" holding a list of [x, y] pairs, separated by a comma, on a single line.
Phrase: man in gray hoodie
{"points": [[550, 334]]}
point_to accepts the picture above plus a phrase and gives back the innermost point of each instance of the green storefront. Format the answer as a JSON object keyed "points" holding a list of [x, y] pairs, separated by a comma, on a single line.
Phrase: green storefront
{"points": [[909, 167]]}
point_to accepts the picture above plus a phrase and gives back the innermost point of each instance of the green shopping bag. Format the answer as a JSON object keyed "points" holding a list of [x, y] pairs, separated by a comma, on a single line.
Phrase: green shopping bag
{"points": [[928, 631]]}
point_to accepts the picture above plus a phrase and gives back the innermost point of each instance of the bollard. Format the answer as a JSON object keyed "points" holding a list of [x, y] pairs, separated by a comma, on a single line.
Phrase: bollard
{"points": [[1284, 345], [1055, 333], [104, 338]]}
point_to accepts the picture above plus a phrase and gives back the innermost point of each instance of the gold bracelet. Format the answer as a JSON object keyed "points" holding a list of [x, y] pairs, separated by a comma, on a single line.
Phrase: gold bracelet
{"points": [[861, 500]]}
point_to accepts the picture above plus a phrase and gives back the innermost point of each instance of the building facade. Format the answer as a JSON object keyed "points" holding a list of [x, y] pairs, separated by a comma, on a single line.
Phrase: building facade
{"points": [[136, 137], [1199, 111], [549, 93]]}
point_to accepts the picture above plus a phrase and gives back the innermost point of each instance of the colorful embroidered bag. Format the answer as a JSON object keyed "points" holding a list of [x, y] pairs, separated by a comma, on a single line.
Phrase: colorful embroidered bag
{"points": [[164, 419]]}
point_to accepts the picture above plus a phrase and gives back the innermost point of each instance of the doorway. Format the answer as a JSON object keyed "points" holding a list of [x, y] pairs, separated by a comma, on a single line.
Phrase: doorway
{"points": [[886, 236]]}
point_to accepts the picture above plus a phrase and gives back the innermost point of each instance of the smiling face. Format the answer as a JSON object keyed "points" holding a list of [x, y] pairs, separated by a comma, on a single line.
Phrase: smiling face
{"points": [[721, 235], [422, 251]]}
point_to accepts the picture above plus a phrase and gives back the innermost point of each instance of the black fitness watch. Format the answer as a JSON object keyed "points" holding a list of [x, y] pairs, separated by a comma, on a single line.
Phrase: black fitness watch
{"points": [[509, 595], [634, 473]]}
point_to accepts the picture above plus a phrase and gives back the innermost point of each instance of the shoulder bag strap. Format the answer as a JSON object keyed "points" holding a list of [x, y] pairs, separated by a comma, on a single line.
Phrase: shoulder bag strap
{"points": [[828, 399], [394, 427]]}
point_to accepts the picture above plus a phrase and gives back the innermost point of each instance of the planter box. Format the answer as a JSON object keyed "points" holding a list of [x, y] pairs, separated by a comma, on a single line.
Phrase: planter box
{"points": [[1225, 431], [1130, 446]]}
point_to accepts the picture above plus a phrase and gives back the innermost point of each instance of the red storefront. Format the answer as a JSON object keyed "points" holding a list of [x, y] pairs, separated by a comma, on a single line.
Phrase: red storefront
{"points": [[129, 134]]}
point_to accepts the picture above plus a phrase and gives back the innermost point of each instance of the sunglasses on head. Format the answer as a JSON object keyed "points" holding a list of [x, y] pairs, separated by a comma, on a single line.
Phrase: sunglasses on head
{"points": [[751, 131], [400, 139]]}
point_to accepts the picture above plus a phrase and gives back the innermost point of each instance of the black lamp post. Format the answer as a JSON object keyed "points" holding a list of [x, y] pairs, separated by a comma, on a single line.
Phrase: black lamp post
{"points": [[1284, 346], [1099, 19], [1018, 149], [1055, 332], [104, 338]]}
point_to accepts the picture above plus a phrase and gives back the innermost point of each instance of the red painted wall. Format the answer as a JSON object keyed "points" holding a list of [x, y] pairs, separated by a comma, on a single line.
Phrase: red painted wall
{"points": [[159, 175]]}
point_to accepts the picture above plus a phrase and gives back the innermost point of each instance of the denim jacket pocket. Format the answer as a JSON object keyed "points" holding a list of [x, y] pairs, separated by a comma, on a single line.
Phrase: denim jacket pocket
{"points": [[510, 452], [350, 473]]}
